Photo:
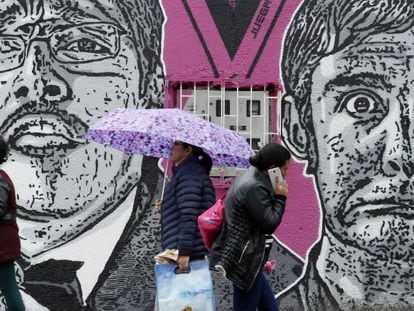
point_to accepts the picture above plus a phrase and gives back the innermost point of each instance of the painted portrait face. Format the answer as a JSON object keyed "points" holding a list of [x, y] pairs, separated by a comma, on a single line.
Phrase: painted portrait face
{"points": [[362, 101], [63, 65]]}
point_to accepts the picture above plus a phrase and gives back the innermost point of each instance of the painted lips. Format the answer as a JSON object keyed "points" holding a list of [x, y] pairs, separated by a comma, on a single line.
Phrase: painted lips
{"points": [[381, 209], [41, 133]]}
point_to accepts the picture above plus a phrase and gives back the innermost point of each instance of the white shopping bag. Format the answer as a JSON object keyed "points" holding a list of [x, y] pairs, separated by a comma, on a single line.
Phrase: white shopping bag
{"points": [[192, 291]]}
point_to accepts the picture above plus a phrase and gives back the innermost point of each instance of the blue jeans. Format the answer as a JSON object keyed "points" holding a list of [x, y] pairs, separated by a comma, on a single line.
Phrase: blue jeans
{"points": [[259, 297]]}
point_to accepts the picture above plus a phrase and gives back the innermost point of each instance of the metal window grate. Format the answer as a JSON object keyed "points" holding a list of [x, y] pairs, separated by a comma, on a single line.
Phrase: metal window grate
{"points": [[252, 111]]}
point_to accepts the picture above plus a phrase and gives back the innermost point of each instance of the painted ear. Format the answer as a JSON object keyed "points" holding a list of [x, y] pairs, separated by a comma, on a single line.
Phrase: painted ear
{"points": [[155, 88], [294, 134], [151, 87]]}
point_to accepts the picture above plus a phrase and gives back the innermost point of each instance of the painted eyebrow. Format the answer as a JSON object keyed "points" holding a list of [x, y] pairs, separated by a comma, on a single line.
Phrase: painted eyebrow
{"points": [[88, 23], [364, 79], [16, 10], [9, 15]]}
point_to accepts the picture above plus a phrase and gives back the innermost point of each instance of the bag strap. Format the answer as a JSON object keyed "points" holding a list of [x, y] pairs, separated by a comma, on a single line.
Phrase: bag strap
{"points": [[223, 196]]}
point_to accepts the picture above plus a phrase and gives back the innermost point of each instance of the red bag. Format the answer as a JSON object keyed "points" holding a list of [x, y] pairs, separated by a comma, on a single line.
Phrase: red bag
{"points": [[210, 222]]}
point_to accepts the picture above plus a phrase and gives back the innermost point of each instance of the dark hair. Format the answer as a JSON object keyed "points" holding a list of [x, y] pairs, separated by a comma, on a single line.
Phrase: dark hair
{"points": [[323, 27], [271, 155], [4, 150], [204, 159]]}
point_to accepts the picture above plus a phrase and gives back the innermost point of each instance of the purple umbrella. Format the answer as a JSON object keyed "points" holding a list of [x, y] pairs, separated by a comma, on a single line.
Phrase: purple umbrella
{"points": [[151, 132]]}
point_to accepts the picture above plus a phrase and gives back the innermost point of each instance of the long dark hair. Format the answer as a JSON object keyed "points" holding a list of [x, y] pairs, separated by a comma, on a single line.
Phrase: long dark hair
{"points": [[204, 159]]}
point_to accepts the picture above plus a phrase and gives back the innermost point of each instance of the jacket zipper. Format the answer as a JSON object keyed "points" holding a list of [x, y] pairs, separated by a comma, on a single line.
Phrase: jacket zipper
{"points": [[244, 250], [260, 267]]}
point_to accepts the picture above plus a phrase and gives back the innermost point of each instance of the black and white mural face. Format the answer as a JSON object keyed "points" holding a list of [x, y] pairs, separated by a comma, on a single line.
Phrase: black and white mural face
{"points": [[63, 65], [362, 114], [349, 112]]}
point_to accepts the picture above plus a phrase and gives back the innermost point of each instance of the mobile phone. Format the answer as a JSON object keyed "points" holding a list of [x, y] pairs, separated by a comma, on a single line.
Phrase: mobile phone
{"points": [[273, 173]]}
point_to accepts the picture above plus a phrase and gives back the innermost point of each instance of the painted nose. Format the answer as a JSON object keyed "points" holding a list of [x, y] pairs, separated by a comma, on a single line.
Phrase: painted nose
{"points": [[398, 154], [43, 84]]}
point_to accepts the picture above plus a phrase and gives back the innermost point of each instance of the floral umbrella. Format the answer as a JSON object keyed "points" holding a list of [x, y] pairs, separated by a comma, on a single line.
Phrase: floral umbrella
{"points": [[151, 132]]}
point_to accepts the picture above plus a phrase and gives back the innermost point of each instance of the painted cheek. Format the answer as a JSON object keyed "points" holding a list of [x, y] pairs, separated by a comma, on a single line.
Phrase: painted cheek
{"points": [[105, 95], [333, 164], [96, 96], [338, 174], [7, 82]]}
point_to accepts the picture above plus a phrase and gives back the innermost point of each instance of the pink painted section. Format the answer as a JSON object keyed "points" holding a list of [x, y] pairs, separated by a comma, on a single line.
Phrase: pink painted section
{"points": [[185, 56], [186, 60], [299, 228], [183, 53]]}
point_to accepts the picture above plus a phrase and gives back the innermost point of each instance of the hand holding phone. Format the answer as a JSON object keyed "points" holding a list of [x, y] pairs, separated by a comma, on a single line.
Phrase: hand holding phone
{"points": [[273, 173], [280, 187]]}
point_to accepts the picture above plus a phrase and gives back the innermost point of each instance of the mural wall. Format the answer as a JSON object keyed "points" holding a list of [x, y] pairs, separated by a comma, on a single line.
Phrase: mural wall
{"points": [[63, 65], [87, 227], [348, 113]]}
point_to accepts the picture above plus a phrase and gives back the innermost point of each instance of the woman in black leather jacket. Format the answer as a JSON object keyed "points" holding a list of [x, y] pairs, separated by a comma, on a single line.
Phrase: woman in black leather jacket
{"points": [[253, 210]]}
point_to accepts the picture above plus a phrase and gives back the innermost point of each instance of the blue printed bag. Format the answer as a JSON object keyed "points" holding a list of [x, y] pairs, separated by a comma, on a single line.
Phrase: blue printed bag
{"points": [[185, 291]]}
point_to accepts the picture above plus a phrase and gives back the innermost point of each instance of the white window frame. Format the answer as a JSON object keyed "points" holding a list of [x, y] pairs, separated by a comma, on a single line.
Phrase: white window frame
{"points": [[268, 104]]}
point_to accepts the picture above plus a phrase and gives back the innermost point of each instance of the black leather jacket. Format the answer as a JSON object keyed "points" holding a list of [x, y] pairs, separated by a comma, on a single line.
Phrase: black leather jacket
{"points": [[252, 211]]}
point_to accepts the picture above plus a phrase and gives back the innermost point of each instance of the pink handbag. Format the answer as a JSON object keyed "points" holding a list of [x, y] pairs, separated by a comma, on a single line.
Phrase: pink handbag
{"points": [[210, 222]]}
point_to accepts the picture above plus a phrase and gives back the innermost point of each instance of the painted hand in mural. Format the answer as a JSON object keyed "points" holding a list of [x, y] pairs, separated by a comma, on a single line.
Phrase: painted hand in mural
{"points": [[348, 112]]}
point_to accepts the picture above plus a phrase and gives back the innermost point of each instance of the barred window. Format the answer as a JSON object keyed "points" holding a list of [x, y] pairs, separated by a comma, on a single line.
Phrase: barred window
{"points": [[251, 110]]}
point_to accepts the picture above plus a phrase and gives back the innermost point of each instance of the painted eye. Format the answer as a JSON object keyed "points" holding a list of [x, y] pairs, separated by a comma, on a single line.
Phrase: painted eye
{"points": [[364, 105], [87, 46]]}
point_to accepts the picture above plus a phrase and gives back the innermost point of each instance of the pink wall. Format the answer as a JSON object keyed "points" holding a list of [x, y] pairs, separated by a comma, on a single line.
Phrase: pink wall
{"points": [[184, 55], [186, 60]]}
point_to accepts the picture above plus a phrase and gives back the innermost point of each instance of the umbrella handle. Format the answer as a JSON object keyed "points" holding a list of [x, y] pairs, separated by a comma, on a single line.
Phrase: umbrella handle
{"points": [[165, 178]]}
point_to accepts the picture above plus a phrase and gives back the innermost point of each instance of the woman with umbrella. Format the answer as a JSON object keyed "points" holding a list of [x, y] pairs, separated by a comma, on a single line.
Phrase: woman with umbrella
{"points": [[189, 193]]}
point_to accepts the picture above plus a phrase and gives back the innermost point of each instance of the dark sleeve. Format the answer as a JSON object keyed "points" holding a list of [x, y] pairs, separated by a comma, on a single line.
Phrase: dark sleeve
{"points": [[265, 209], [189, 203], [4, 196]]}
